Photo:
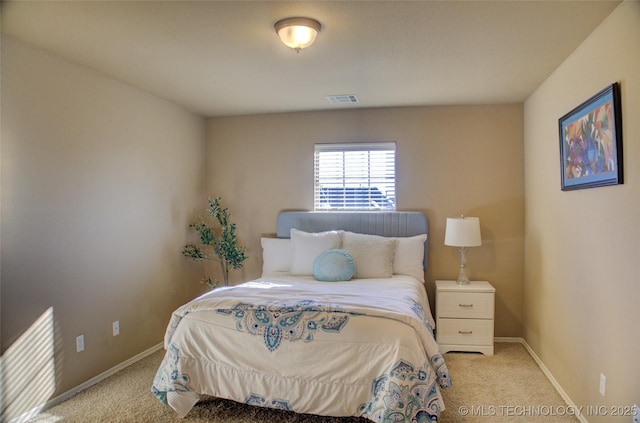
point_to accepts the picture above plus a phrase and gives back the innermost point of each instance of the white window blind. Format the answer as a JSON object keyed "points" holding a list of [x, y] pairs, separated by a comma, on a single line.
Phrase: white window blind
{"points": [[355, 176]]}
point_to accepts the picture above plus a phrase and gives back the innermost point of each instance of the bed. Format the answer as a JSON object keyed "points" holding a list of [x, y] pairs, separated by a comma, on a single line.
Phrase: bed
{"points": [[337, 325]]}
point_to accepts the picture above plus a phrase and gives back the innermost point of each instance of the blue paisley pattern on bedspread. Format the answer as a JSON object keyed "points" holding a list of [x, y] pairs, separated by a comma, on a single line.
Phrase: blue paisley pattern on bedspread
{"points": [[406, 393], [437, 361], [168, 378], [275, 322], [260, 401], [418, 310]]}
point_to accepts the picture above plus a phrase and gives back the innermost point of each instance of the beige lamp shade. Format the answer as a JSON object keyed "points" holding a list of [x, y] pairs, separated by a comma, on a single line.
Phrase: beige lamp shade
{"points": [[462, 232]]}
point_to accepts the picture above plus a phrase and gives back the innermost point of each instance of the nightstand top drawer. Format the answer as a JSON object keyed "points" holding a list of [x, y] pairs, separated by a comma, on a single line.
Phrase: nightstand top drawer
{"points": [[474, 286], [465, 305]]}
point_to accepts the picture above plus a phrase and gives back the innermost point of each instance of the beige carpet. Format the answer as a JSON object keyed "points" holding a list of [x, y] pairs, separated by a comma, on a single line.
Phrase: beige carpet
{"points": [[508, 386]]}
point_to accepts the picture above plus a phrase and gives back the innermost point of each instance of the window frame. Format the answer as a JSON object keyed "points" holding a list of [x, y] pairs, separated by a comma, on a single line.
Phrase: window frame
{"points": [[373, 181]]}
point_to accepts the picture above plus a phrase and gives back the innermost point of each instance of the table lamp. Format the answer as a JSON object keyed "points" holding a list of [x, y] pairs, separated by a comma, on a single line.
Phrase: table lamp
{"points": [[462, 232]]}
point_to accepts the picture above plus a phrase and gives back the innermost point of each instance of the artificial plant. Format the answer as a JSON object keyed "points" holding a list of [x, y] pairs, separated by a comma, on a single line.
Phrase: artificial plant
{"points": [[218, 242]]}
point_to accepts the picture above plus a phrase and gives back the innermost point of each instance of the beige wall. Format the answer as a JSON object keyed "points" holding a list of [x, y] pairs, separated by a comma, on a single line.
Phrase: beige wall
{"points": [[99, 183], [100, 180], [582, 267], [450, 160]]}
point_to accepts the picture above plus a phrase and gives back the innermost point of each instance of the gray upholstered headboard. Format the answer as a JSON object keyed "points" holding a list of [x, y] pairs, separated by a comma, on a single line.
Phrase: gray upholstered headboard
{"points": [[399, 224]]}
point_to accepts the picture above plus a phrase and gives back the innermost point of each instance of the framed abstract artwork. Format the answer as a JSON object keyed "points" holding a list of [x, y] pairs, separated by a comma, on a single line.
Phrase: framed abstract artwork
{"points": [[591, 142]]}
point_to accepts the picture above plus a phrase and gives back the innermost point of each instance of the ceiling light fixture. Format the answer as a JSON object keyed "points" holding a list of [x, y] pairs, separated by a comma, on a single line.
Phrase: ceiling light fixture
{"points": [[297, 33]]}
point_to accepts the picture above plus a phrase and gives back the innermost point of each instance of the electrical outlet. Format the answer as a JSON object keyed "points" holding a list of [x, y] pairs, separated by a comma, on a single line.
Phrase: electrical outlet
{"points": [[116, 328], [80, 343], [636, 414], [603, 383]]}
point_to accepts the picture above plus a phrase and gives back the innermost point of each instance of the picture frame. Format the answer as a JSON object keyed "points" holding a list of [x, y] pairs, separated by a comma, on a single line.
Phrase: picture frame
{"points": [[591, 142]]}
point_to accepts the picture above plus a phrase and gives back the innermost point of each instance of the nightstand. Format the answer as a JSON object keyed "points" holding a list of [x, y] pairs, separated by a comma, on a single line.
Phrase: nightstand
{"points": [[464, 316]]}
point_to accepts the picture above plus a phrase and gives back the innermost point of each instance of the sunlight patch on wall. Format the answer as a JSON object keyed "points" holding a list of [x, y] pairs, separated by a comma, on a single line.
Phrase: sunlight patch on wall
{"points": [[28, 370]]}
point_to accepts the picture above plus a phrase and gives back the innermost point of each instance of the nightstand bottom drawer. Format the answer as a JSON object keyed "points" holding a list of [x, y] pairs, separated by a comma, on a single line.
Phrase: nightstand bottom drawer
{"points": [[464, 331]]}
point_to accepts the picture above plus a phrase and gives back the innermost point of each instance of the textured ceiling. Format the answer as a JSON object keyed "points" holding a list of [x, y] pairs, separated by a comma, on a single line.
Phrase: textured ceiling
{"points": [[222, 58]]}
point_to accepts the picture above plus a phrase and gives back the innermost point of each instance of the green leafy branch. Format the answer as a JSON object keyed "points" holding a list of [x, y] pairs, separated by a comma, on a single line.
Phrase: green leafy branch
{"points": [[220, 244]]}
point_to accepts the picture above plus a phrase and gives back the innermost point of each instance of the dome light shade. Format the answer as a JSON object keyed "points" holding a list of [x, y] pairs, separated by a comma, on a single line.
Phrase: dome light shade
{"points": [[297, 33]]}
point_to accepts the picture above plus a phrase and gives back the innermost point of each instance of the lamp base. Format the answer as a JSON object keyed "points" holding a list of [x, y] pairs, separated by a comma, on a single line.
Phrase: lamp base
{"points": [[463, 279]]}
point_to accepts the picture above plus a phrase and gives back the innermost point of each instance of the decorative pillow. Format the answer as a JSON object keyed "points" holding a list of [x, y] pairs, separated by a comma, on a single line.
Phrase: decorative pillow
{"points": [[373, 254], [276, 255], [306, 246], [409, 256], [334, 265]]}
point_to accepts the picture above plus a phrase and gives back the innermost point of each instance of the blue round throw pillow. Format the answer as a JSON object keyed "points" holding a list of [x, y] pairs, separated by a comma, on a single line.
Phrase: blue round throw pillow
{"points": [[333, 266]]}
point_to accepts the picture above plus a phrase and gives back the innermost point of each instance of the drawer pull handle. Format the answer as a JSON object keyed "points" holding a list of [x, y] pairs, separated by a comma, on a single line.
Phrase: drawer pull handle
{"points": [[465, 305], [465, 332]]}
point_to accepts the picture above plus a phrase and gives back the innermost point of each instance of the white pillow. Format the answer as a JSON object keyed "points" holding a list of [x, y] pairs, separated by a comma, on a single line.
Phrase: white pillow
{"points": [[306, 247], [373, 254], [409, 256], [276, 255]]}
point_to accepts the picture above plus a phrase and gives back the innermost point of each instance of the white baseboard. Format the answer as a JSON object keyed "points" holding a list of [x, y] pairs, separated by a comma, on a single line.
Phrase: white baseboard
{"points": [[546, 372], [73, 391]]}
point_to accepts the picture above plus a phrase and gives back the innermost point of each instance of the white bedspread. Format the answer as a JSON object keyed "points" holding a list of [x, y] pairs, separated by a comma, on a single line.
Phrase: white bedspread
{"points": [[358, 348]]}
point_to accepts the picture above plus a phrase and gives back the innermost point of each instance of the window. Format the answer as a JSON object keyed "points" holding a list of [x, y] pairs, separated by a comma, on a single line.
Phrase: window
{"points": [[355, 176]]}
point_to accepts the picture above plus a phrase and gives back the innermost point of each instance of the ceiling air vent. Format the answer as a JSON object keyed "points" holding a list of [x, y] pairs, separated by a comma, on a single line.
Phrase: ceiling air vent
{"points": [[343, 99]]}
